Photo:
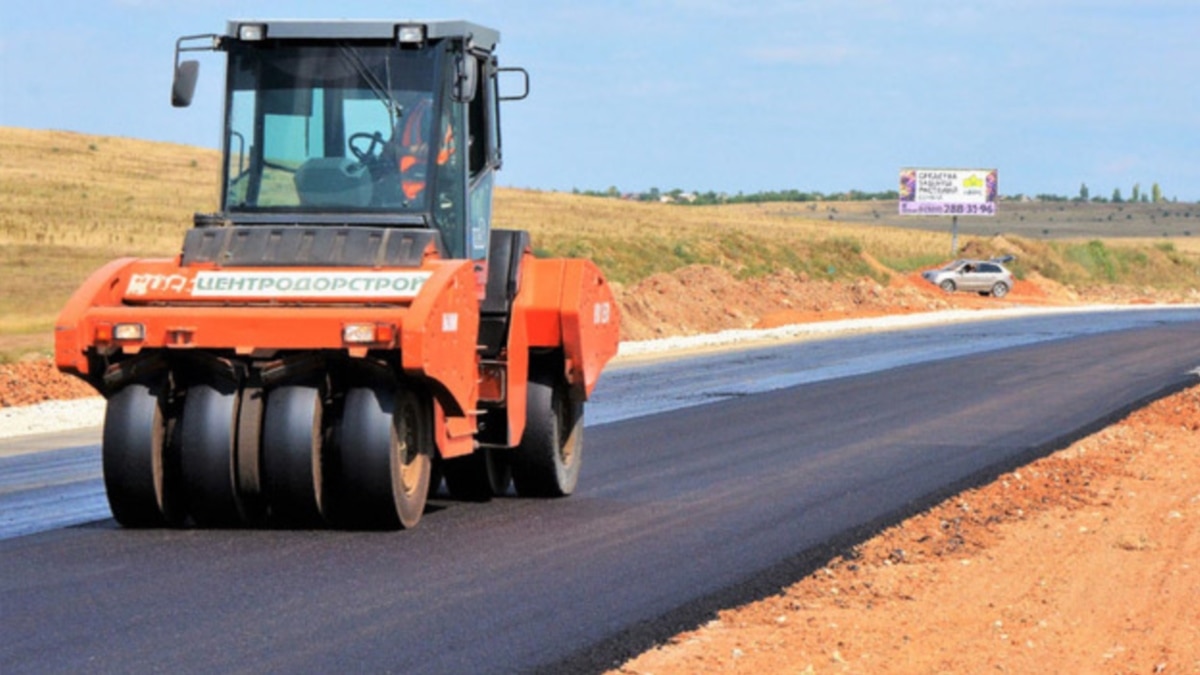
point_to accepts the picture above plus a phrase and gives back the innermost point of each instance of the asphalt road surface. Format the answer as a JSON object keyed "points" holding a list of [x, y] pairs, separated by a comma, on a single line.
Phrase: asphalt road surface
{"points": [[698, 491]]}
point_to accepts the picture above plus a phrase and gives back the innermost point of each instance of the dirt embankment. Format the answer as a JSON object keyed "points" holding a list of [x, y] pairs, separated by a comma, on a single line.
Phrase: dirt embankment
{"points": [[703, 299]]}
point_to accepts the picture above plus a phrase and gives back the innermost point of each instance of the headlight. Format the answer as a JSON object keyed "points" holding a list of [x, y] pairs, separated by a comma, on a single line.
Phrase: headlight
{"points": [[368, 333], [410, 35], [252, 32], [129, 332], [358, 333]]}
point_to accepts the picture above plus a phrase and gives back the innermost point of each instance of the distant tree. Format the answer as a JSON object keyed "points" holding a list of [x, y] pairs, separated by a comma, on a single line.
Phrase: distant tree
{"points": [[1145, 198], [1083, 192], [1156, 193], [1137, 190], [1116, 198], [683, 197], [613, 191]]}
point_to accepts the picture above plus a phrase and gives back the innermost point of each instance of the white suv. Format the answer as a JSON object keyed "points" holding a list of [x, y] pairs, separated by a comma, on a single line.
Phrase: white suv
{"points": [[986, 277]]}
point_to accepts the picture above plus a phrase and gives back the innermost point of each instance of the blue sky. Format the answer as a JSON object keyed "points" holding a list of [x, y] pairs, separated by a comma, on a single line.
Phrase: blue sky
{"points": [[724, 95]]}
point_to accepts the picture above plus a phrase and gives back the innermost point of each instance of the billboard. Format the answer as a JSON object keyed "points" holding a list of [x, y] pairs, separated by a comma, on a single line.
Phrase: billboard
{"points": [[948, 192]]}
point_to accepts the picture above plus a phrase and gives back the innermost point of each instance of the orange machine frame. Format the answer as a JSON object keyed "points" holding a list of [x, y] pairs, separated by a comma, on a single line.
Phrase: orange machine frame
{"points": [[563, 304]]}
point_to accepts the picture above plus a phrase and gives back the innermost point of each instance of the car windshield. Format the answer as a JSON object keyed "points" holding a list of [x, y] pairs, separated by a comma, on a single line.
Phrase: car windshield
{"points": [[322, 128]]}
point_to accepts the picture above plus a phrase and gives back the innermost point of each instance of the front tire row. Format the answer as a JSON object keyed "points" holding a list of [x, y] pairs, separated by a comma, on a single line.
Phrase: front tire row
{"points": [[297, 456]]}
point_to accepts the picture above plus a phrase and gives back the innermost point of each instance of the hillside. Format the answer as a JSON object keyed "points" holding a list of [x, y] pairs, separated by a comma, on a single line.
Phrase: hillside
{"points": [[70, 202]]}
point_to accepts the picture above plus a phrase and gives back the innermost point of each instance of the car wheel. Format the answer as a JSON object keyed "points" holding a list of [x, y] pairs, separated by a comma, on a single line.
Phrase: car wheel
{"points": [[999, 290], [947, 286]]}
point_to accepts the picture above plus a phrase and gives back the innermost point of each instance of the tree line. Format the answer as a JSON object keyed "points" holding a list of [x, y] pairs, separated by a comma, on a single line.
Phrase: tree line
{"points": [[1155, 195], [697, 198], [681, 196]]}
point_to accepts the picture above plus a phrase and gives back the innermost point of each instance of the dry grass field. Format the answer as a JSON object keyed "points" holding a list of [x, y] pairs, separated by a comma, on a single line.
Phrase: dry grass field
{"points": [[69, 202], [845, 240]]}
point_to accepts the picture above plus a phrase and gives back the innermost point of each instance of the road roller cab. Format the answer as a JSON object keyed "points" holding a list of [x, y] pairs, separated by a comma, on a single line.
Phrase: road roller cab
{"points": [[348, 328]]}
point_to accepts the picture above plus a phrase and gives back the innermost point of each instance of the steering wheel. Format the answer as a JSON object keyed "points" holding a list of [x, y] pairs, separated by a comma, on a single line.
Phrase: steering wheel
{"points": [[370, 154]]}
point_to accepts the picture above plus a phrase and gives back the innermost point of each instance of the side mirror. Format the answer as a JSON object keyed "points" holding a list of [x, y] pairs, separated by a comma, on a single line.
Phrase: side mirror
{"points": [[467, 79], [184, 86]]}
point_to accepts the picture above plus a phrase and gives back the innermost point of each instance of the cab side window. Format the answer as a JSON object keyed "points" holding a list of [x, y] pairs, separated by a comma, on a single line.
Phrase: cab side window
{"points": [[482, 160], [479, 115], [483, 137]]}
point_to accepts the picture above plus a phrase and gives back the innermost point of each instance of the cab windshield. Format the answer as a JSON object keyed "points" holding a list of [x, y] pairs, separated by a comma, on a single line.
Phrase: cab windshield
{"points": [[329, 128]]}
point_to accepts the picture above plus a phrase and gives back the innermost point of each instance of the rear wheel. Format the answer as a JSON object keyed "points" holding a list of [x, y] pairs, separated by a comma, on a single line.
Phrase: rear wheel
{"points": [[139, 484], [477, 477], [999, 290], [292, 455], [547, 462], [207, 457], [947, 286], [385, 457]]}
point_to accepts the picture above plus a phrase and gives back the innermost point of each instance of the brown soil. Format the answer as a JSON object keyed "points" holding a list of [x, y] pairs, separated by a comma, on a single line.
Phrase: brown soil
{"points": [[1085, 561], [703, 299], [29, 382]]}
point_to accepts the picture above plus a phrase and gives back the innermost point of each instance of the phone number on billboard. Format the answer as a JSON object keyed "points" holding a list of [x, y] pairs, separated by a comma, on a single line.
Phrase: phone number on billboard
{"points": [[937, 209]]}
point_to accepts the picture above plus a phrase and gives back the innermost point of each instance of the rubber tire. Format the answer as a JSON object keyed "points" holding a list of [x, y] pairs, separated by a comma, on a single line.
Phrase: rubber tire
{"points": [[477, 477], [292, 455], [948, 286], [547, 462], [139, 485], [207, 455], [385, 458], [435, 476], [999, 290]]}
